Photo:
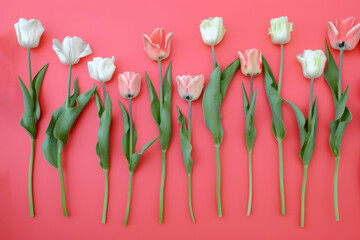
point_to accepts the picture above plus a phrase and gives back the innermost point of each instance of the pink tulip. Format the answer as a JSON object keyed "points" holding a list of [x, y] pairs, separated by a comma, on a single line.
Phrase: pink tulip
{"points": [[251, 62], [129, 84], [158, 45], [344, 35], [190, 86]]}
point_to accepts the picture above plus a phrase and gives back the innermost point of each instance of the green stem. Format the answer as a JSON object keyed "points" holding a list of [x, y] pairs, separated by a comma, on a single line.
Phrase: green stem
{"points": [[310, 103], [337, 160], [68, 88], [29, 68], [303, 197], [62, 184], [30, 178], [104, 92], [162, 184], [218, 180], [340, 72], [189, 122], [251, 88], [131, 123], [281, 173], [161, 85], [250, 185], [106, 196], [213, 56], [190, 202], [128, 200], [281, 67]]}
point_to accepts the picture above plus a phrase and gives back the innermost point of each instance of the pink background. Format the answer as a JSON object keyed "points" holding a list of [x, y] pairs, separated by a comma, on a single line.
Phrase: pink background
{"points": [[115, 28]]}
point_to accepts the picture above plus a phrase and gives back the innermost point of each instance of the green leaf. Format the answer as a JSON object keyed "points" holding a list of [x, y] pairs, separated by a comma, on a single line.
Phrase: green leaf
{"points": [[307, 136], [36, 86], [275, 101], [342, 113], [227, 75], [50, 144], [186, 147], [136, 156], [331, 73], [126, 136], [99, 105], [211, 105], [337, 129], [28, 120], [68, 117], [154, 105], [165, 128], [102, 146], [250, 131]]}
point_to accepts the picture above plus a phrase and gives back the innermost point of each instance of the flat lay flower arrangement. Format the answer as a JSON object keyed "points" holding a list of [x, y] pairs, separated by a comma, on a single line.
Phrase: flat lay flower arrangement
{"points": [[317, 66]]}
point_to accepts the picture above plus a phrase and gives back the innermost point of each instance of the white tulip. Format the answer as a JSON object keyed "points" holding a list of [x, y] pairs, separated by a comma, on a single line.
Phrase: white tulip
{"points": [[71, 50], [280, 30], [212, 30], [101, 69], [28, 32], [312, 62]]}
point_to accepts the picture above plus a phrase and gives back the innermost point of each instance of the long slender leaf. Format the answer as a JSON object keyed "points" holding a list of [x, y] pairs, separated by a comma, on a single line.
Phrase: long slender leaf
{"points": [[227, 75], [126, 136], [186, 147], [102, 146], [154, 101], [28, 120], [50, 144], [165, 128], [36, 86], [250, 131], [136, 156]]}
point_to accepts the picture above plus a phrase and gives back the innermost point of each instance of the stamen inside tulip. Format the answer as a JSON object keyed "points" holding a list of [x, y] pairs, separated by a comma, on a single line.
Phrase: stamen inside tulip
{"points": [[188, 97], [130, 95], [342, 44]]}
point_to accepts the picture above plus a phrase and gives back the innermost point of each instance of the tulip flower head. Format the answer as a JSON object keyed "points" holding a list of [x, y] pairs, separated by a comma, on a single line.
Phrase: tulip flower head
{"points": [[312, 62], [280, 30], [28, 32], [190, 86], [344, 34], [251, 62], [212, 30], [129, 84], [158, 45], [71, 50], [101, 69]]}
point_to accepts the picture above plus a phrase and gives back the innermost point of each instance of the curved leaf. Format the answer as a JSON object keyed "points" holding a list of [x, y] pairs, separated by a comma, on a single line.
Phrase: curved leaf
{"points": [[337, 129], [99, 105], [227, 75], [300, 121], [28, 120], [154, 105], [186, 147], [126, 136], [275, 101], [50, 144], [250, 130], [165, 128], [136, 156], [331, 73], [211, 105], [67, 119], [36, 86], [102, 146]]}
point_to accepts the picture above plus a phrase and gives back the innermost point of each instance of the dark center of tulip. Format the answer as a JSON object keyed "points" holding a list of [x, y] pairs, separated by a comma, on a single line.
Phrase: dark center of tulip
{"points": [[342, 44], [188, 98]]}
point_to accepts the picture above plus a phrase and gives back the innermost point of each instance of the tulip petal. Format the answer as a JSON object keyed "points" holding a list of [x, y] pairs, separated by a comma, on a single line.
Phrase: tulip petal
{"points": [[151, 49]]}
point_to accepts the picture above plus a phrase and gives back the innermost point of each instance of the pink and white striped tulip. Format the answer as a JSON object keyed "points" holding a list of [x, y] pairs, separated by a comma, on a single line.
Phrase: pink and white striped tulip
{"points": [[158, 45], [344, 34], [251, 62], [129, 84], [190, 86]]}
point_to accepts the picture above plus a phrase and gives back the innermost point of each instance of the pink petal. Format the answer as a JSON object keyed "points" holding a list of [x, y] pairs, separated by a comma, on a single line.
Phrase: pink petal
{"points": [[151, 49]]}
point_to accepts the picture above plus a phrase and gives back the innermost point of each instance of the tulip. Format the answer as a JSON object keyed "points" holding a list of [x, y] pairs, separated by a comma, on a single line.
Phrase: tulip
{"points": [[101, 69], [190, 86], [280, 29], [71, 50], [28, 32], [251, 62], [212, 32], [313, 63], [158, 45], [344, 35], [129, 84]]}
